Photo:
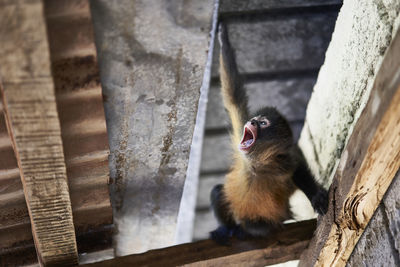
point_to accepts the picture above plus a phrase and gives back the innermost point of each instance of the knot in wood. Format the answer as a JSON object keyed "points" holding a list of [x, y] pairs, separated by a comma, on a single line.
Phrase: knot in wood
{"points": [[353, 216]]}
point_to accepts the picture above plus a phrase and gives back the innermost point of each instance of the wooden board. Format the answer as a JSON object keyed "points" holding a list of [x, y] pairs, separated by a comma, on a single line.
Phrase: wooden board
{"points": [[84, 135], [80, 105], [367, 167], [285, 245], [33, 124]]}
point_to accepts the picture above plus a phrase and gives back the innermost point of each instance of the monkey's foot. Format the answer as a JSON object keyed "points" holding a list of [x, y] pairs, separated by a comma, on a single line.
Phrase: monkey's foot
{"points": [[221, 235], [240, 233]]}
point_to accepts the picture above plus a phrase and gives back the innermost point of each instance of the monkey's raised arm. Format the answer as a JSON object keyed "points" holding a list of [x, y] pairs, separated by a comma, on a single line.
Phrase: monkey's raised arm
{"points": [[233, 93]]}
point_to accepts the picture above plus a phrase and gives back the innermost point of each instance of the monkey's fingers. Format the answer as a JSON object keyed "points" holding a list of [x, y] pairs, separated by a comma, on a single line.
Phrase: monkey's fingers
{"points": [[320, 202]]}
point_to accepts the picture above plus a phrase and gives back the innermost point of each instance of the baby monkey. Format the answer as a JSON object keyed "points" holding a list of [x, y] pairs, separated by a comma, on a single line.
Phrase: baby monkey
{"points": [[267, 168]]}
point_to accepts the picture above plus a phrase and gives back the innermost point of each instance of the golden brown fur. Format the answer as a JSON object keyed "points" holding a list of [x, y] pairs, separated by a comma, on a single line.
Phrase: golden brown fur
{"points": [[258, 193]]}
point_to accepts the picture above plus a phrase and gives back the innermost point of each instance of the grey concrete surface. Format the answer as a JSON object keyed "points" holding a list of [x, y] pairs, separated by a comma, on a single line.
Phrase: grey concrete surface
{"points": [[362, 33], [152, 56]]}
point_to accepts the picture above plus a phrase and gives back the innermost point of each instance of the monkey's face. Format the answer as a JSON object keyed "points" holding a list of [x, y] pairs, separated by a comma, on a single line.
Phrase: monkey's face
{"points": [[264, 130], [251, 130]]}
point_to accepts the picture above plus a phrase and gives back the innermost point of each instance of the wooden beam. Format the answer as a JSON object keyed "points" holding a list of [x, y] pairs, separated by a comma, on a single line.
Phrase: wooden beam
{"points": [[83, 130], [80, 107], [366, 169], [33, 124], [283, 246]]}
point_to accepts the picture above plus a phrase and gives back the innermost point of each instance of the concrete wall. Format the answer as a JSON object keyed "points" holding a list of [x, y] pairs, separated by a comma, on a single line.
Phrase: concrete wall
{"points": [[152, 57], [362, 33]]}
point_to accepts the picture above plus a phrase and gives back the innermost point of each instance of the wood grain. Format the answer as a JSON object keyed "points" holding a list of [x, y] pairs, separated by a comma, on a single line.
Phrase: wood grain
{"points": [[83, 131], [287, 244], [366, 169], [33, 125]]}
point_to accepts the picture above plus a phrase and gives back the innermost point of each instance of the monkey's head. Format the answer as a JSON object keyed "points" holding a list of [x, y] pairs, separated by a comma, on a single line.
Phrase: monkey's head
{"points": [[267, 128]]}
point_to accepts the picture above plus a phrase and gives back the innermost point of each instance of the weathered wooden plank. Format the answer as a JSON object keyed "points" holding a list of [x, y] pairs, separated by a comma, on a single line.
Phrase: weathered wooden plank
{"points": [[285, 245], [80, 107], [367, 166], [375, 247], [33, 124]]}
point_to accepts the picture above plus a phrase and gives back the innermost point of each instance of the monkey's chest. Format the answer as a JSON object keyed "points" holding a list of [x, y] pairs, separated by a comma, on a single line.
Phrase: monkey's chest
{"points": [[256, 201]]}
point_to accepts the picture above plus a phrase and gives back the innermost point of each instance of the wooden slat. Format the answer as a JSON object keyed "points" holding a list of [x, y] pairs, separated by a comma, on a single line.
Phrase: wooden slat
{"points": [[83, 130], [287, 244], [33, 124], [83, 127], [367, 167]]}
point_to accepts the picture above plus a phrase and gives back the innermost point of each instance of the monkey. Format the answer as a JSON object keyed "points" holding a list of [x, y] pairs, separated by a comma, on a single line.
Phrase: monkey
{"points": [[267, 166]]}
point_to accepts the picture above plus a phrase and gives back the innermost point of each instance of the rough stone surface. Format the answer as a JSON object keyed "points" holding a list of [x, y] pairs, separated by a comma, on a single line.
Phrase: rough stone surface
{"points": [[363, 32], [293, 42], [152, 56], [257, 5]]}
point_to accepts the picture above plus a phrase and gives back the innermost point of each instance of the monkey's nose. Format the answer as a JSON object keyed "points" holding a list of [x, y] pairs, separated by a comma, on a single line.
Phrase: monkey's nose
{"points": [[253, 122]]}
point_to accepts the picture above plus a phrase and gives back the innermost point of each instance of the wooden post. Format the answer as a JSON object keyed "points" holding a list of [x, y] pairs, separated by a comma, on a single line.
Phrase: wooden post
{"points": [[368, 165], [33, 124]]}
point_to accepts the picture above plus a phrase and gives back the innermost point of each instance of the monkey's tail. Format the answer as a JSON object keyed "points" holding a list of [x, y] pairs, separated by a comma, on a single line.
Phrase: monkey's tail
{"points": [[233, 94]]}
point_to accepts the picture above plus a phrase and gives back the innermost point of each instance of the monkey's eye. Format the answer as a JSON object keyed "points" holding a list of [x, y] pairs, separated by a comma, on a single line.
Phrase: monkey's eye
{"points": [[264, 123]]}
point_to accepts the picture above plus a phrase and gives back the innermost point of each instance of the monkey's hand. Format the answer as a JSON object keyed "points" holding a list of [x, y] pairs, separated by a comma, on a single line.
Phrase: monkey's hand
{"points": [[222, 35], [320, 201]]}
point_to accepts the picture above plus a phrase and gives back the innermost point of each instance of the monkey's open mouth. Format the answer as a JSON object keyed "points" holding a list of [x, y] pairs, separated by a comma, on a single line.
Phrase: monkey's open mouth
{"points": [[249, 138]]}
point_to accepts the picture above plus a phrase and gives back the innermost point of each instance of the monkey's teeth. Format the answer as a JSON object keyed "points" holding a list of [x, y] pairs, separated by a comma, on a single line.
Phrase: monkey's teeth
{"points": [[248, 142]]}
